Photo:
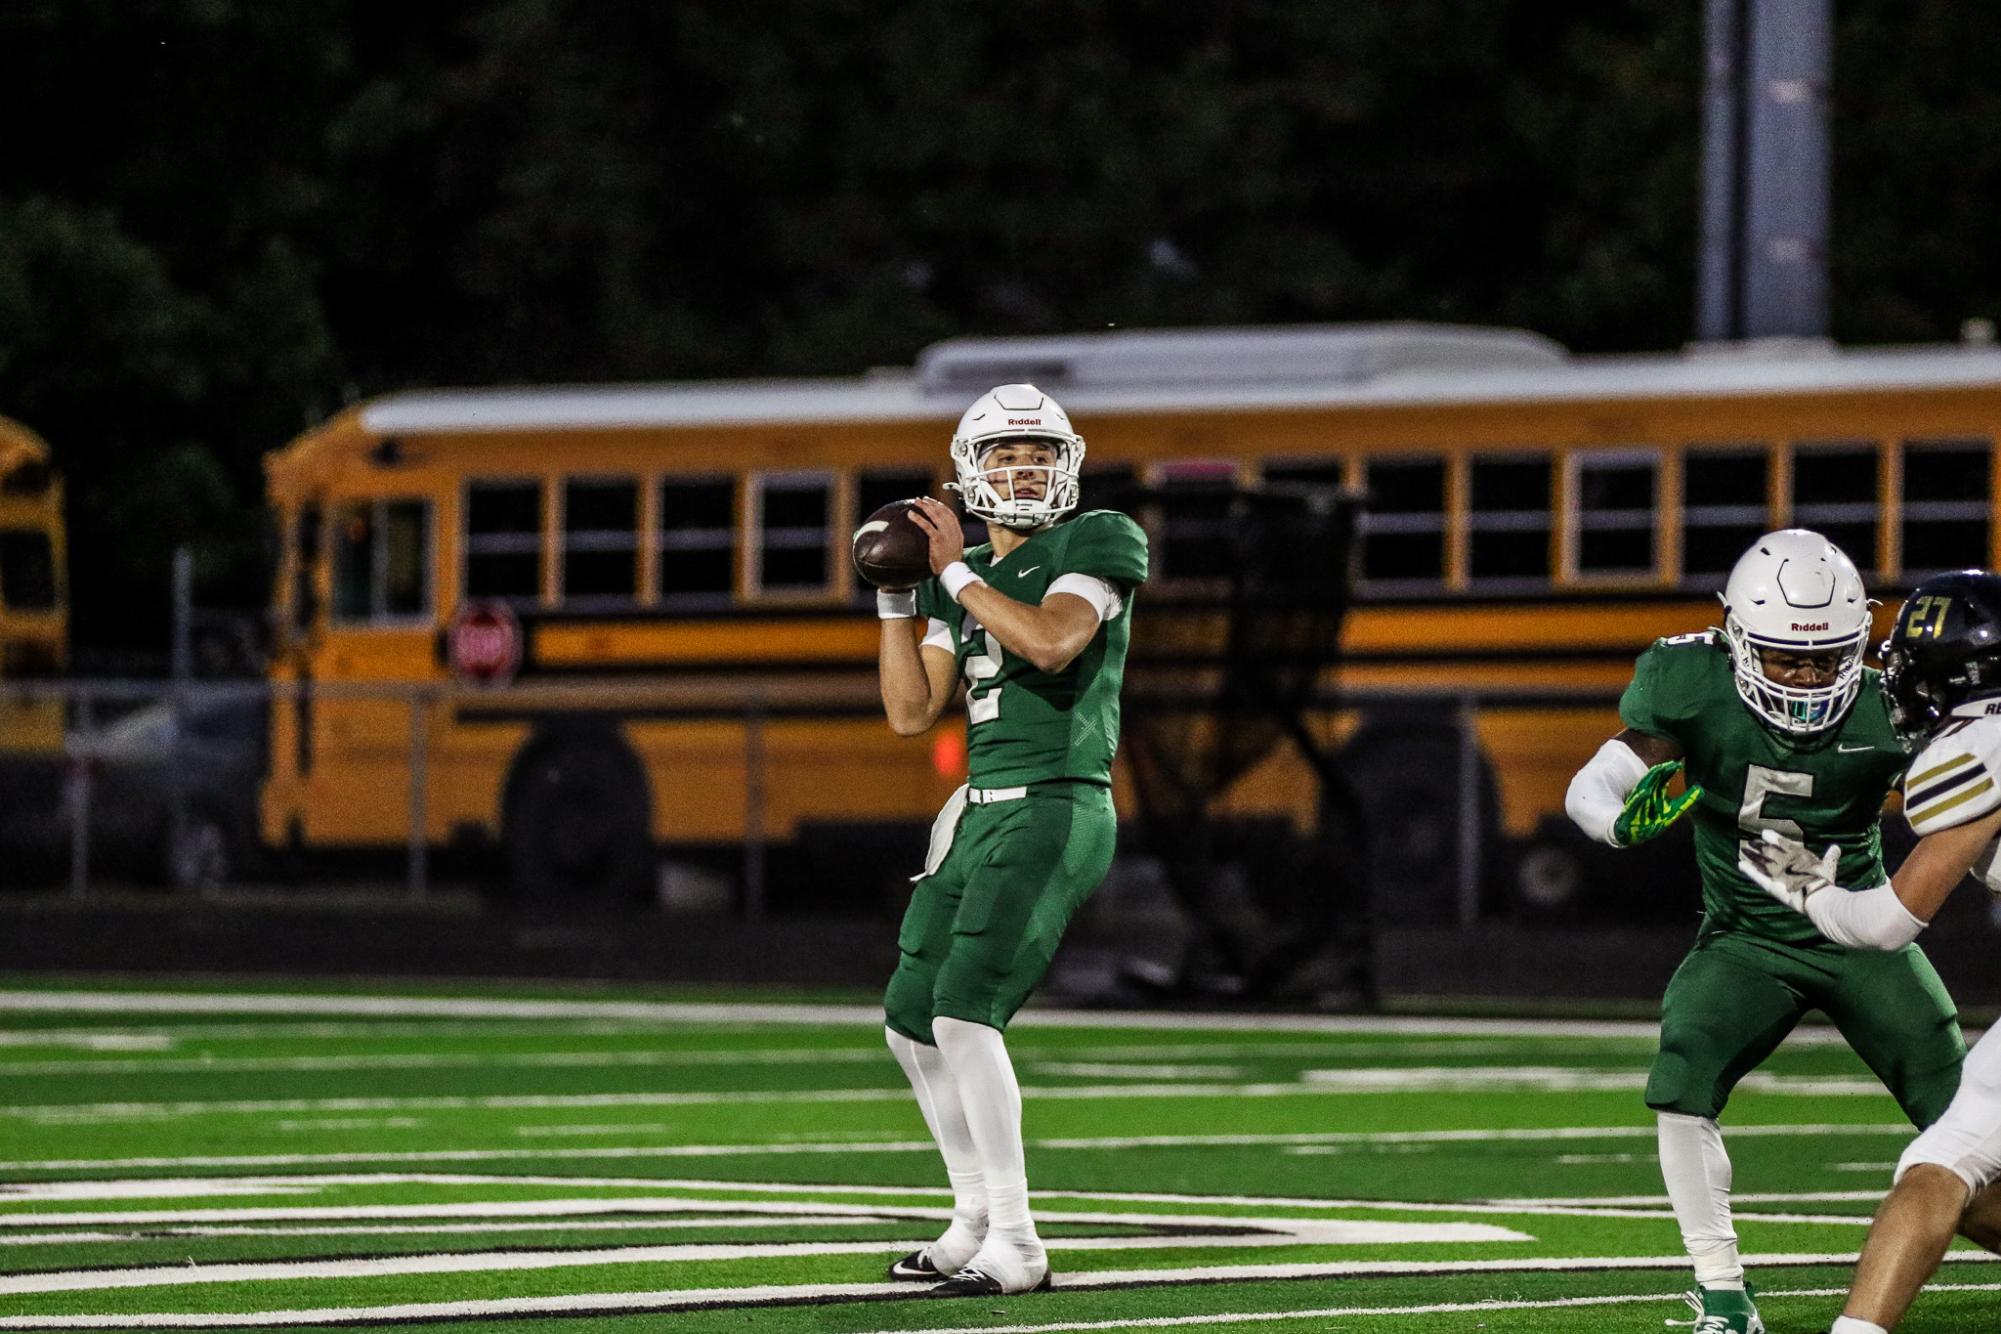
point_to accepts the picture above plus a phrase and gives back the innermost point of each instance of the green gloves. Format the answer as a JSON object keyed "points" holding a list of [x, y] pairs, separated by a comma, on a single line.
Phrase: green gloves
{"points": [[1649, 810]]}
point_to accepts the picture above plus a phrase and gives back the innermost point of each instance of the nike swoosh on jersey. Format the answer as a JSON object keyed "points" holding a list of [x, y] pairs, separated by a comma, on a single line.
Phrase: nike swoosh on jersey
{"points": [[1853, 750], [1023, 574]]}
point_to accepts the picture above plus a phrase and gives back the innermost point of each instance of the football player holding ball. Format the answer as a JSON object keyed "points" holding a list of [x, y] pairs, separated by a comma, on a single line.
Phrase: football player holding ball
{"points": [[1035, 623]]}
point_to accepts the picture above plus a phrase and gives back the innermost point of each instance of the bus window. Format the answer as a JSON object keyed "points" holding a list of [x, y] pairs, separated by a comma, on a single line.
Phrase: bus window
{"points": [[32, 478], [878, 487], [600, 541], [1946, 508], [1194, 534], [306, 558], [873, 490], [1723, 508], [1403, 521], [27, 570], [503, 540], [793, 512], [382, 561], [1834, 493], [1508, 521], [697, 539], [1614, 512], [1323, 474]]}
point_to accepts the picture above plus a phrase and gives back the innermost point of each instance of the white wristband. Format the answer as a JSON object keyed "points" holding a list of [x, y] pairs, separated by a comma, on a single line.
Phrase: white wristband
{"points": [[956, 576], [895, 604]]}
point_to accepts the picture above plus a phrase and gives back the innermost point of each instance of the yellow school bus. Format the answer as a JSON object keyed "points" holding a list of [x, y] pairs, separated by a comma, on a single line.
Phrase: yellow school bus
{"points": [[34, 605], [634, 618]]}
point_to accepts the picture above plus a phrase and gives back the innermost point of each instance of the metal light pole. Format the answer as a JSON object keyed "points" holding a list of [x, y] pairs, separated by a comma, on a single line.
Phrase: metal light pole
{"points": [[1765, 174]]}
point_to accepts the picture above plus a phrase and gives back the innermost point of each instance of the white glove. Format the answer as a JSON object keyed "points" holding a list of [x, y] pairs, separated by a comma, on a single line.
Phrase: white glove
{"points": [[1783, 868]]}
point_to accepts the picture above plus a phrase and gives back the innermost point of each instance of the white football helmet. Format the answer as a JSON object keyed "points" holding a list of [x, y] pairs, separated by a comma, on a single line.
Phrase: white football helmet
{"points": [[1795, 590], [1016, 412]]}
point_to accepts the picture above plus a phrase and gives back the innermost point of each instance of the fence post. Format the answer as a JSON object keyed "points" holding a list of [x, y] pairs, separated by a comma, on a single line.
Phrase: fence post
{"points": [[76, 783], [419, 804], [1469, 815], [753, 808]]}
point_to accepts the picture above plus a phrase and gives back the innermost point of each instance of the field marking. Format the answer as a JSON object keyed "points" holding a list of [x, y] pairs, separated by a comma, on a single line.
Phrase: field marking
{"points": [[1366, 1083], [1341, 1312], [1305, 1230], [1133, 1070], [1581, 1207], [583, 1207], [850, 1219], [85, 1039], [639, 1302], [177, 1065], [1176, 1232], [160, 1188], [723, 1013], [793, 1147], [1746, 1197]]}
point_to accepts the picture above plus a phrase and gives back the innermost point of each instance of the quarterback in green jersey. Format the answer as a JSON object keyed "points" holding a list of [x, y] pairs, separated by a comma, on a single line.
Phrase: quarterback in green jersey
{"points": [[1035, 624], [1776, 725]]}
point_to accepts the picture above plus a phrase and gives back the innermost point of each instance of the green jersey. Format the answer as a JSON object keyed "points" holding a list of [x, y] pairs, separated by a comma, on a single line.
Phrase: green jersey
{"points": [[1025, 725], [1825, 788]]}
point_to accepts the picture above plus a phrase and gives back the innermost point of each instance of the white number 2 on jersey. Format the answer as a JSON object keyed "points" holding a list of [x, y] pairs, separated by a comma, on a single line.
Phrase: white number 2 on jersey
{"points": [[1760, 783], [982, 703]]}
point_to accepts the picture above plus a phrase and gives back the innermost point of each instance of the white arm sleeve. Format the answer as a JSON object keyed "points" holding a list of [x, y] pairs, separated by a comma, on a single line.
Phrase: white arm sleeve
{"points": [[1102, 596], [937, 634], [1988, 867], [1598, 791], [1866, 919]]}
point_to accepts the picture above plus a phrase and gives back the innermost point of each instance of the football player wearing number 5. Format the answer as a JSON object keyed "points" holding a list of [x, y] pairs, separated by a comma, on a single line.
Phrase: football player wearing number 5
{"points": [[1036, 625], [1942, 680], [1776, 725]]}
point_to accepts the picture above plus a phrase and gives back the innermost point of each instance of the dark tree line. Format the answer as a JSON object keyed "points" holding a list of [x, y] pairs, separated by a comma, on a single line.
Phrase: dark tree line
{"points": [[221, 219]]}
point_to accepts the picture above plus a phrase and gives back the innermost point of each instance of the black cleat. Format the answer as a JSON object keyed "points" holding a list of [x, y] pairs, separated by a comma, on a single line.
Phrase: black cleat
{"points": [[915, 1267], [971, 1282]]}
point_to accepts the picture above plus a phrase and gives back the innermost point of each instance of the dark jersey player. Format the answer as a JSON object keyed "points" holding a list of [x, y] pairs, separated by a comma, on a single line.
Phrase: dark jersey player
{"points": [[1780, 727], [1942, 682], [1035, 624]]}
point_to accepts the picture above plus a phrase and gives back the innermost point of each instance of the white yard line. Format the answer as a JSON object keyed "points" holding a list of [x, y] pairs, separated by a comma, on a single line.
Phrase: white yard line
{"points": [[179, 1065], [870, 1016], [1134, 1070], [684, 1012], [1368, 1083], [1270, 1232], [1583, 1207], [605, 1302], [1092, 1143], [455, 1229]]}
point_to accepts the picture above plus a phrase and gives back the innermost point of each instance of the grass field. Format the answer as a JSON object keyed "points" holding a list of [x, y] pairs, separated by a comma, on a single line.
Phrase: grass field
{"points": [[531, 1161]]}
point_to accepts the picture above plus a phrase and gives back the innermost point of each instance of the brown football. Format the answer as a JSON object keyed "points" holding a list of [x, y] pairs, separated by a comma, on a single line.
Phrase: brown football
{"points": [[891, 551]]}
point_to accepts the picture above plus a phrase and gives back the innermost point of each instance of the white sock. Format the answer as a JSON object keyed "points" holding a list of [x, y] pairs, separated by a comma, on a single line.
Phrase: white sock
{"points": [[1848, 1324], [992, 1100], [944, 1113], [1697, 1173]]}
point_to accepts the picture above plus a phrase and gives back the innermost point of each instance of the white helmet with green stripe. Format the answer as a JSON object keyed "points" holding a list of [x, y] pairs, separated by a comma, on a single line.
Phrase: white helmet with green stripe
{"points": [[1795, 592]]}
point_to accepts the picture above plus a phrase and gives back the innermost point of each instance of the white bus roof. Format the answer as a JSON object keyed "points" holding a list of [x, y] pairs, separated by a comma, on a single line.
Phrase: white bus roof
{"points": [[1178, 371]]}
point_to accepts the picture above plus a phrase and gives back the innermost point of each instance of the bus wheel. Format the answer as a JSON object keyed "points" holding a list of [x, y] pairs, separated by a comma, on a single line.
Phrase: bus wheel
{"points": [[1406, 768], [577, 824]]}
